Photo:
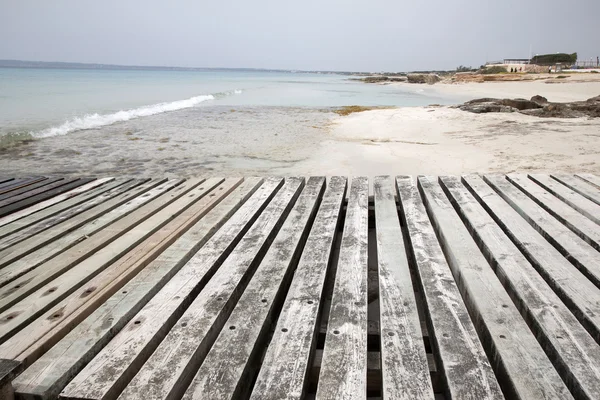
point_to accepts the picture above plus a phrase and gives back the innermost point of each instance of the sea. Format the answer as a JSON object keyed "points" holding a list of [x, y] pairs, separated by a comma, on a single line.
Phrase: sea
{"points": [[97, 121]]}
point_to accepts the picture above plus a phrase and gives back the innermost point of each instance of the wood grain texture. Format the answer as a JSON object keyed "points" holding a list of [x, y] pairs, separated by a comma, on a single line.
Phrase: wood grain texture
{"points": [[183, 349], [587, 190], [344, 368], [45, 290], [110, 371], [569, 196], [569, 346], [49, 374], [524, 370], [44, 205], [80, 253], [573, 287], [30, 225], [575, 249], [590, 178], [467, 372], [225, 372], [14, 253], [405, 373], [102, 286], [31, 197], [576, 222], [284, 370]]}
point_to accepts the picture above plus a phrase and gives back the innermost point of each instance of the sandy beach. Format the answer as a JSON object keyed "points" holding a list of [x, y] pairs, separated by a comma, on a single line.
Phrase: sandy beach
{"points": [[444, 140], [301, 141]]}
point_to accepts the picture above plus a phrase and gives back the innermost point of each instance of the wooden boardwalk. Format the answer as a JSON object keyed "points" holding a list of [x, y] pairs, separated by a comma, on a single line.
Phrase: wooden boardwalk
{"points": [[474, 287]]}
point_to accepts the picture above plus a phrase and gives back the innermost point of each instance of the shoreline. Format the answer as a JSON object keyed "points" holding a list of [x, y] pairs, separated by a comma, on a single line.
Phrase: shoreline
{"points": [[433, 140]]}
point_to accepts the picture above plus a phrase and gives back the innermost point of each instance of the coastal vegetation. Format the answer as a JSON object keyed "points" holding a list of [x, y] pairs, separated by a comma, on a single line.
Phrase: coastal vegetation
{"points": [[347, 110], [551, 59]]}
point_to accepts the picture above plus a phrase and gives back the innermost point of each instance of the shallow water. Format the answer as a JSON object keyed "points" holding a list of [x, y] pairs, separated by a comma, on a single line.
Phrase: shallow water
{"points": [[96, 122]]}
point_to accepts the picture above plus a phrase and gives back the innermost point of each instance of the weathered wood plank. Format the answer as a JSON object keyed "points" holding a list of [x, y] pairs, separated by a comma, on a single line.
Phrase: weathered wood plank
{"points": [[467, 372], [82, 248], [51, 250], [344, 368], [32, 190], [20, 183], [226, 371], [131, 231], [571, 349], [590, 178], [118, 273], [50, 206], [574, 288], [287, 361], [585, 189], [8, 370], [110, 371], [50, 373], [523, 369], [572, 198], [34, 224], [578, 223], [575, 249], [24, 192], [32, 197], [12, 252], [405, 373], [178, 356]]}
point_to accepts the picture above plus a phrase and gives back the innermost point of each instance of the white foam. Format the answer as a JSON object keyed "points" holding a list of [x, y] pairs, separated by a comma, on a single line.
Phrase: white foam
{"points": [[91, 121]]}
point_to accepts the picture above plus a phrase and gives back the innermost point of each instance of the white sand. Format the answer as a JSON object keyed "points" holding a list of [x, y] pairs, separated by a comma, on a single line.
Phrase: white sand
{"points": [[441, 140], [557, 92]]}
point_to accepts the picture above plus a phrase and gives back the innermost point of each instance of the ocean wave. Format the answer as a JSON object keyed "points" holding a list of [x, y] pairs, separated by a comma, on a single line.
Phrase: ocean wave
{"points": [[91, 121]]}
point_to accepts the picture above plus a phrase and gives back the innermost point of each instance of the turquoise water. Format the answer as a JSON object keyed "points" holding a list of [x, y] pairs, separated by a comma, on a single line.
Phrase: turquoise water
{"points": [[51, 102]]}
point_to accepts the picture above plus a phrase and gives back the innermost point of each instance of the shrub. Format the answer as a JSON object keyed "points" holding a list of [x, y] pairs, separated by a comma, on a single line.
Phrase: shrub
{"points": [[496, 69], [551, 59]]}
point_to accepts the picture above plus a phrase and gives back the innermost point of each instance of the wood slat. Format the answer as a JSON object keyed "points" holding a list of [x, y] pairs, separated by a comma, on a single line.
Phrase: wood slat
{"points": [[344, 367], [572, 198], [31, 197], [26, 227], [405, 373], [50, 206], [50, 373], [590, 178], [110, 371], [572, 350], [575, 249], [34, 279], [578, 223], [285, 367], [589, 191], [56, 247], [23, 192], [226, 371], [523, 369], [18, 184], [574, 288], [12, 253], [180, 353], [123, 269], [467, 371], [131, 231]]}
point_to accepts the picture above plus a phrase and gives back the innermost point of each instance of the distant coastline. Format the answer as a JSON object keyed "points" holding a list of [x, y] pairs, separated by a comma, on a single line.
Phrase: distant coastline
{"points": [[71, 65]]}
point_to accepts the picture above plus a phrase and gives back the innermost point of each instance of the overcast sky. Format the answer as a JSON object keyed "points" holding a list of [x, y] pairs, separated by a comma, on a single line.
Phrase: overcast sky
{"points": [[373, 35]]}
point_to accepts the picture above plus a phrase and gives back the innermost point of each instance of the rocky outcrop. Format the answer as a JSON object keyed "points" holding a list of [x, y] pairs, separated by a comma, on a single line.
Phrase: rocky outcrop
{"points": [[383, 79], [429, 79], [538, 106]]}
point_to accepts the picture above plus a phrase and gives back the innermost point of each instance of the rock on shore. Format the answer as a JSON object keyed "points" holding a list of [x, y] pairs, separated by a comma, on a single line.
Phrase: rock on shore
{"points": [[538, 106], [429, 79]]}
